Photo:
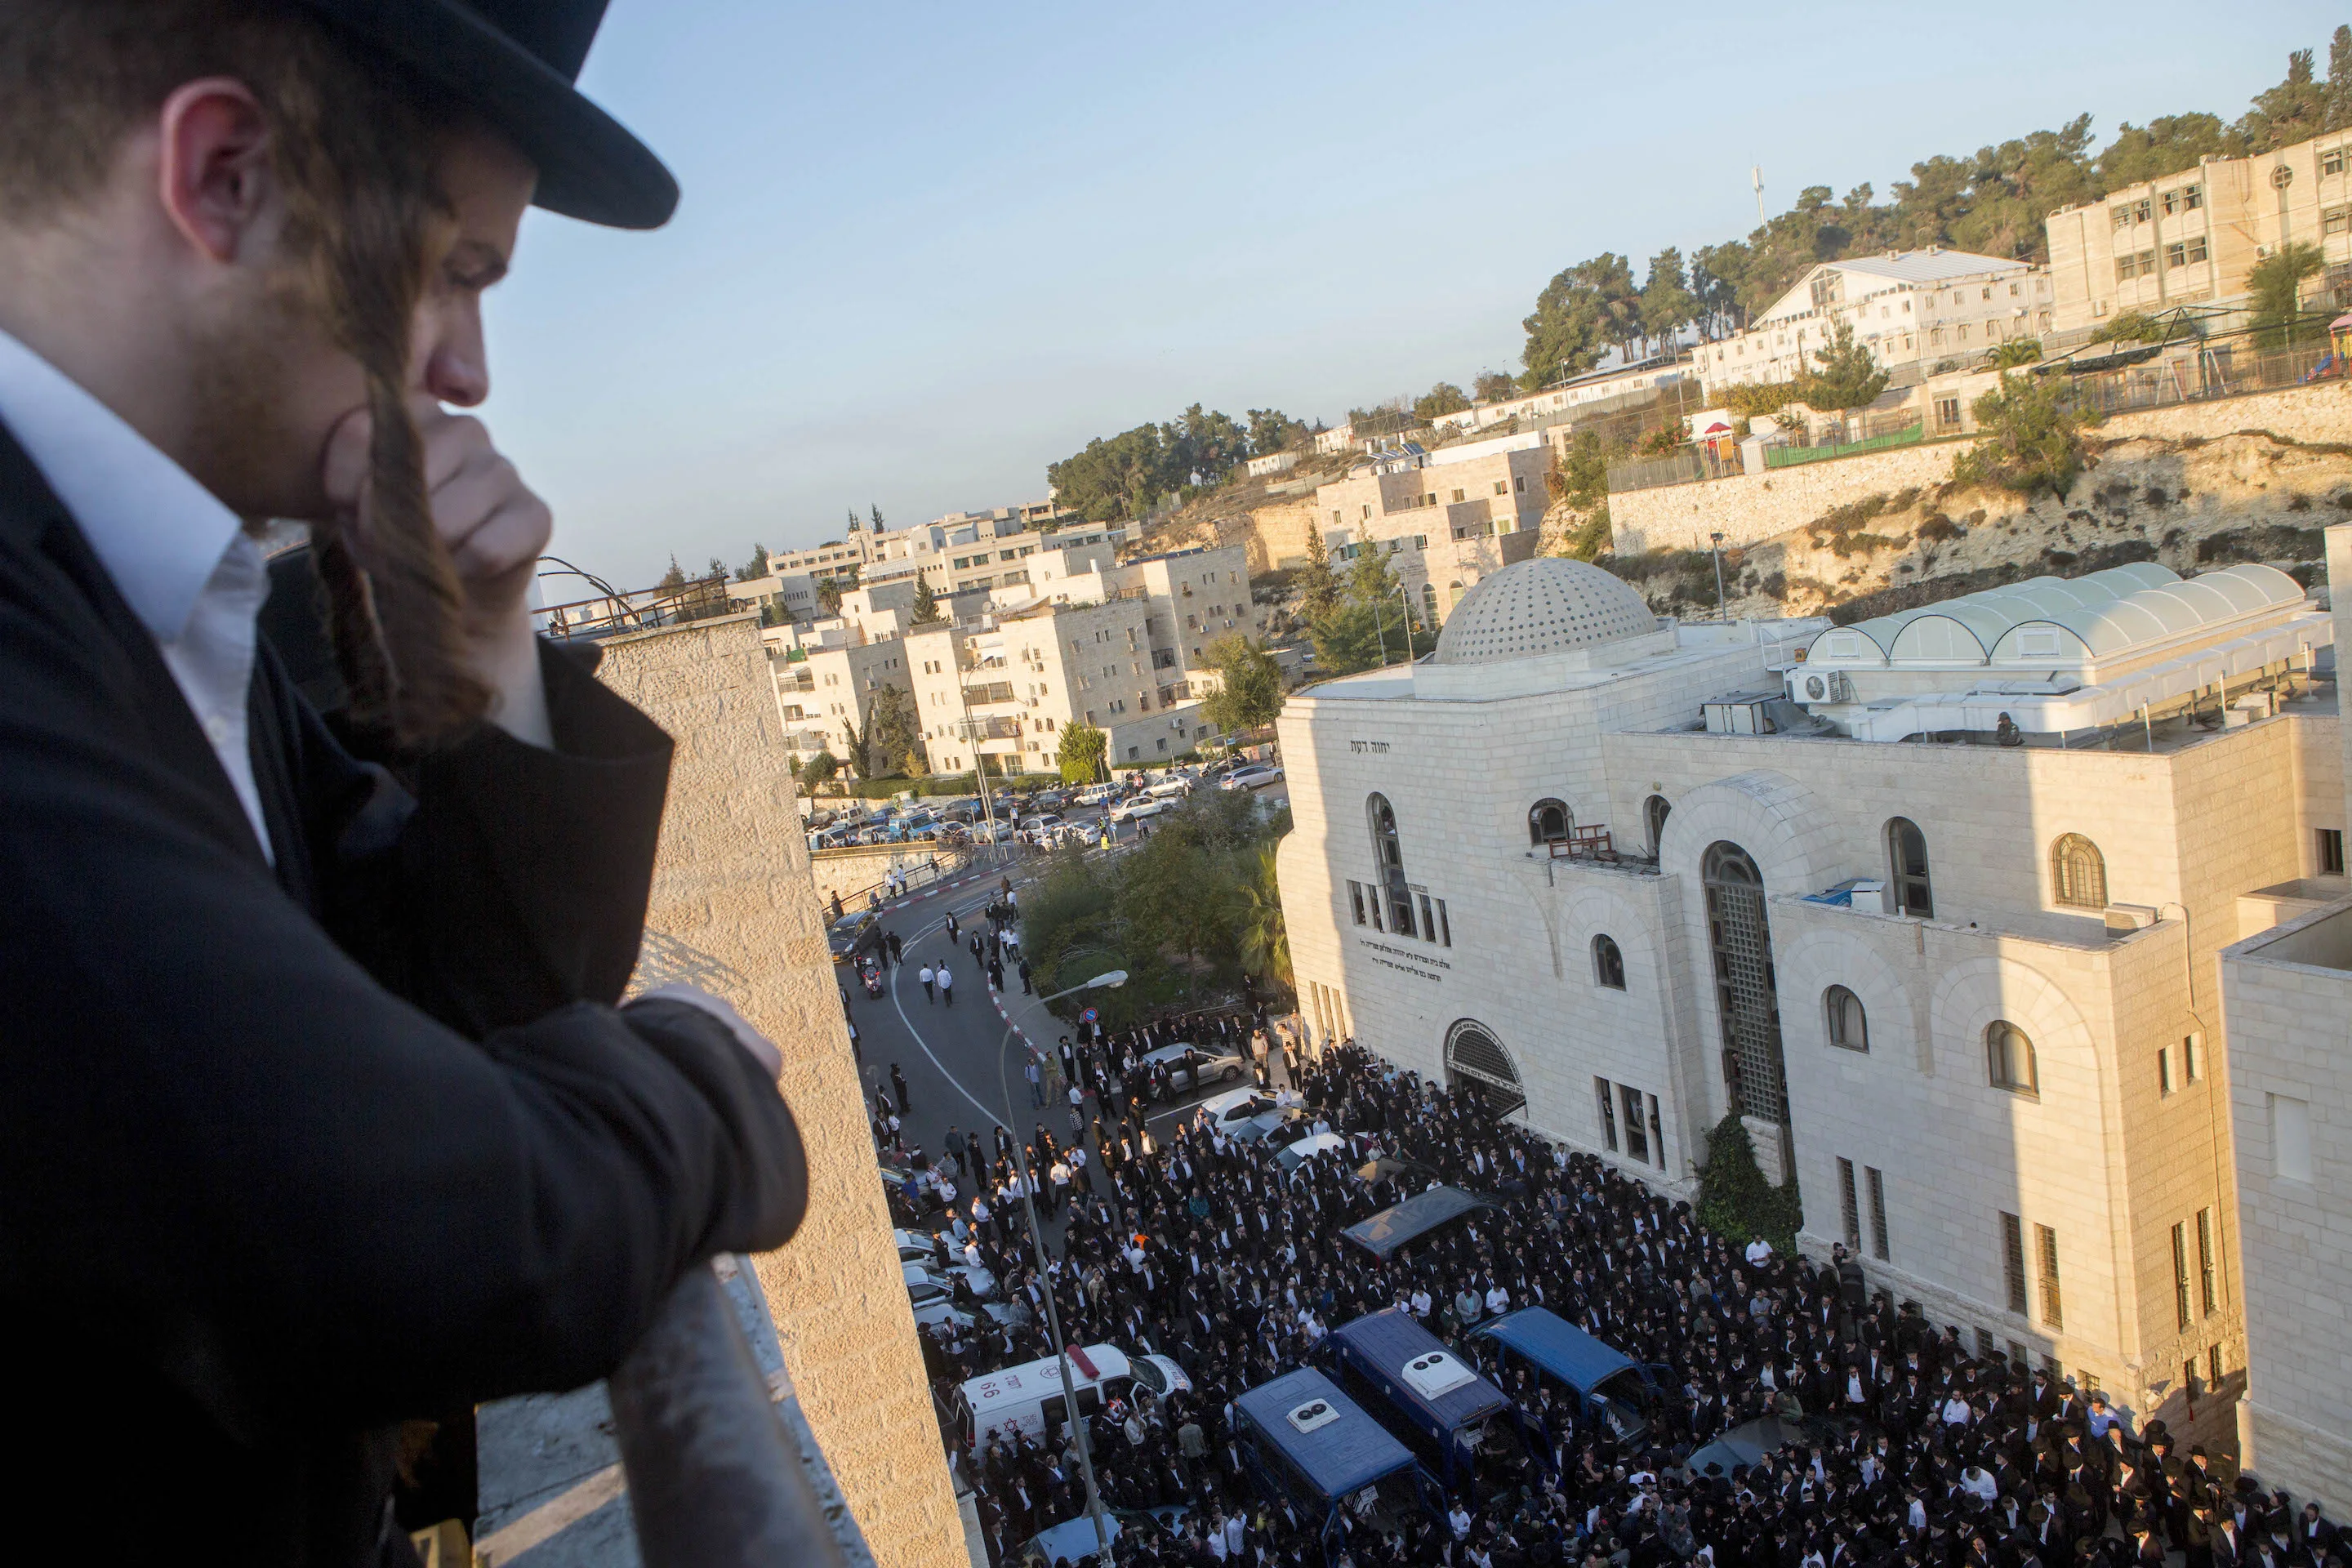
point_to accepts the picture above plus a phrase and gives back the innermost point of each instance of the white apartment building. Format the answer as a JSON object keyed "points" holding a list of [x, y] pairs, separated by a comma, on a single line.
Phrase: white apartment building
{"points": [[1914, 309], [839, 558], [1273, 463], [1194, 597], [824, 693], [967, 556], [1007, 686], [1624, 876], [778, 596], [1336, 439], [2190, 238], [1447, 518], [2286, 993]]}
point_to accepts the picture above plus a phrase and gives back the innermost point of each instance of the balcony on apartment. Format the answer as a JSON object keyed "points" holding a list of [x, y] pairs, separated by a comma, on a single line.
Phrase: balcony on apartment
{"points": [[694, 1453]]}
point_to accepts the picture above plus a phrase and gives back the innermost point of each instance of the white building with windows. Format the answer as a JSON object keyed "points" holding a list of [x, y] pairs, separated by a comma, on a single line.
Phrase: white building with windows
{"points": [[1933, 901], [1914, 310]]}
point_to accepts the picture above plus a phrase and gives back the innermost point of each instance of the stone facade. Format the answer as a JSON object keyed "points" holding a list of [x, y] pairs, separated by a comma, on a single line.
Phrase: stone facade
{"points": [[735, 911], [1746, 508], [2119, 1137]]}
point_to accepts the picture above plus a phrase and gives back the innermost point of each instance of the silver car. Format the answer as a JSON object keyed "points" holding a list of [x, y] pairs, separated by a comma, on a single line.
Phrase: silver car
{"points": [[1197, 1067]]}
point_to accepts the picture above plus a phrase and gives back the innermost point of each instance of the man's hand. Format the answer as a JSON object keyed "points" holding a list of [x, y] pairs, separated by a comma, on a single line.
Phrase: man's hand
{"points": [[495, 530], [760, 1049]]}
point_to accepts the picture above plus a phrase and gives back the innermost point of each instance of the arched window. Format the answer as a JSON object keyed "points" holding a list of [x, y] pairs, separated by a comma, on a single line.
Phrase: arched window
{"points": [[1389, 855], [1747, 992], [1549, 822], [2078, 873], [2009, 1057], [1849, 1026], [1907, 867], [1429, 604], [1478, 1067], [1655, 812], [1607, 964]]}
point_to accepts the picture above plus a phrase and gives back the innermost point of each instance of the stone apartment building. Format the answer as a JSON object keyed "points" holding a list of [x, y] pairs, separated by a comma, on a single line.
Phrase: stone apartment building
{"points": [[1595, 392], [823, 693], [1625, 877], [1914, 309], [2190, 238], [2286, 997], [1194, 598], [1447, 518]]}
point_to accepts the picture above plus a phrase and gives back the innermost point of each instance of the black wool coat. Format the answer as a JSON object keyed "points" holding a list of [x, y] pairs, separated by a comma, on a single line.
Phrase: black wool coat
{"points": [[290, 1153]]}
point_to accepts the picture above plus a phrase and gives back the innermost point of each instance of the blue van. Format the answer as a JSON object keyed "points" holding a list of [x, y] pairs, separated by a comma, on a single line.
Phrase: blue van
{"points": [[1601, 1383], [1454, 1420], [1310, 1446]]}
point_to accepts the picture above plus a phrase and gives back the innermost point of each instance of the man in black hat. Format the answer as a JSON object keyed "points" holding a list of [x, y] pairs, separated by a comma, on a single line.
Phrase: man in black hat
{"points": [[316, 1111]]}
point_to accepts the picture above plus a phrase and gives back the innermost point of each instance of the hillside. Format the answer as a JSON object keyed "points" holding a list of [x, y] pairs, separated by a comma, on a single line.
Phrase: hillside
{"points": [[2189, 500]]}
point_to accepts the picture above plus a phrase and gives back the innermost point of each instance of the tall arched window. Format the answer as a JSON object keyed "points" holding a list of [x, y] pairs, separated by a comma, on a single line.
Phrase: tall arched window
{"points": [[1389, 855], [1549, 822], [1607, 964], [1747, 992], [2008, 1058], [1655, 812], [1849, 1026], [2078, 873], [1429, 604], [1907, 867]]}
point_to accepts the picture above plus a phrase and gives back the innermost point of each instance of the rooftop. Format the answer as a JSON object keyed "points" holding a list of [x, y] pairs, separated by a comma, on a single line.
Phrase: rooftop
{"points": [[1544, 605]]}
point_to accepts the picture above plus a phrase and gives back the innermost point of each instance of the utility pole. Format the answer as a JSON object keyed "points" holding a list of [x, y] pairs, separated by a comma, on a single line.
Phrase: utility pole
{"points": [[1721, 613], [1405, 599], [971, 738], [1755, 178]]}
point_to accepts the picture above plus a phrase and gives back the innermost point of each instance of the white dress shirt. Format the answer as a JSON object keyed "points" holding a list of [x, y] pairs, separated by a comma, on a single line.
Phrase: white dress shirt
{"points": [[182, 561]]}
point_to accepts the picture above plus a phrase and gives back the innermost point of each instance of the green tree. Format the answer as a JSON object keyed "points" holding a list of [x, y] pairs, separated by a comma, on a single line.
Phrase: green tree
{"points": [[1369, 625], [877, 510], [1848, 376], [1439, 400], [1318, 586], [1264, 940], [2016, 351], [2132, 326], [1271, 430], [828, 594], [854, 524], [1667, 303], [1493, 386], [894, 735], [2169, 144], [674, 580], [1736, 1201], [1251, 693], [1204, 448], [926, 603], [2276, 284], [820, 768], [2294, 110], [1581, 314], [1123, 477], [1082, 751], [2028, 439], [754, 568]]}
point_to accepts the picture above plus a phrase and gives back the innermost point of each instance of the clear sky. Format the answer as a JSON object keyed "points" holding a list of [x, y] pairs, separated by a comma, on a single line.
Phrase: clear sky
{"points": [[926, 249]]}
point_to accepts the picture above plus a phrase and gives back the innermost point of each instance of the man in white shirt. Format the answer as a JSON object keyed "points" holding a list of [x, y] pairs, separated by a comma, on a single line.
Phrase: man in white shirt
{"points": [[302, 1012], [947, 985]]}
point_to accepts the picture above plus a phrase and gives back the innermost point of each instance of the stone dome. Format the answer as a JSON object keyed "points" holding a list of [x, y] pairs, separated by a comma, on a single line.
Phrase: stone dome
{"points": [[1545, 605]]}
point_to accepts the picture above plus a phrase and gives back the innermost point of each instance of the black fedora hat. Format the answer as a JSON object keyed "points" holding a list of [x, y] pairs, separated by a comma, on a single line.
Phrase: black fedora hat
{"points": [[515, 61]]}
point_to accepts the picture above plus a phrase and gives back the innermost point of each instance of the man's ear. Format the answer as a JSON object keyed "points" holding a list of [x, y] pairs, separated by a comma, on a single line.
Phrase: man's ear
{"points": [[214, 166]]}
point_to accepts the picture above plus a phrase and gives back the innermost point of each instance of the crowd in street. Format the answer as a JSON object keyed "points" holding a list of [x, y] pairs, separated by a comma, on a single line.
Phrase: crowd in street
{"points": [[1921, 1450]]}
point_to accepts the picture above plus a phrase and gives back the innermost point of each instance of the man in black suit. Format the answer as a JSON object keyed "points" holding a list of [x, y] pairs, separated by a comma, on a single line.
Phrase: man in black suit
{"points": [[316, 1110]]}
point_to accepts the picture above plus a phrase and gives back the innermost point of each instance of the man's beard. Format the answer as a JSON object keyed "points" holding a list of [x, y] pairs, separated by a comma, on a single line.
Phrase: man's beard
{"points": [[390, 601]]}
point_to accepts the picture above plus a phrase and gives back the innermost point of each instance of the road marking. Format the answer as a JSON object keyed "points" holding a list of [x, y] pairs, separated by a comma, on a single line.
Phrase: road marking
{"points": [[899, 1004]]}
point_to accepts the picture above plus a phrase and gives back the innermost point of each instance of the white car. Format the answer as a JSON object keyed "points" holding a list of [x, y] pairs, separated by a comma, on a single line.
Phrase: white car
{"points": [[1193, 1066], [1173, 787], [1306, 1148], [1233, 1105], [1138, 808], [1094, 794], [932, 1294], [1250, 778]]}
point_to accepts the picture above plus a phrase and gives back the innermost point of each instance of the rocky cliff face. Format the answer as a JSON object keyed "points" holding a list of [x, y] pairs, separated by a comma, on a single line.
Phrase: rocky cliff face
{"points": [[2187, 501]]}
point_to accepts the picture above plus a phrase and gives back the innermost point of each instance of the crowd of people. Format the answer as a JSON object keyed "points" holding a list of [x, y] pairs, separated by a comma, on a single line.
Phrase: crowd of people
{"points": [[1918, 1450]]}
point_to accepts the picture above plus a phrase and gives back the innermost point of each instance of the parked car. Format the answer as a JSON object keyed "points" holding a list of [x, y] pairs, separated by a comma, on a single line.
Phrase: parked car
{"points": [[1040, 827], [1191, 1066], [1250, 778], [1233, 1105], [1095, 795], [854, 935], [933, 1295], [1139, 807], [1175, 786]]}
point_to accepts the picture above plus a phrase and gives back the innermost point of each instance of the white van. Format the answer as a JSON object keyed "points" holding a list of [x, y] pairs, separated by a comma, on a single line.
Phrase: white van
{"points": [[1015, 1398]]}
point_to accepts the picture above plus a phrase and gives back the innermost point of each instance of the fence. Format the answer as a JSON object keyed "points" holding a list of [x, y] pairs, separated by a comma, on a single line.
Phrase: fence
{"points": [[1789, 456], [2202, 374], [1681, 468]]}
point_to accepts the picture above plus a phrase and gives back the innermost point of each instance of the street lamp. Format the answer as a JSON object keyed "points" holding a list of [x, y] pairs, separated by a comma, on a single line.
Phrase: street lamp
{"points": [[1721, 613], [1111, 981]]}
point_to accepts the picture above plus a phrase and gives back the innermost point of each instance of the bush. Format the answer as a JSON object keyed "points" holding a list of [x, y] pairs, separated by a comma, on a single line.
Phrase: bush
{"points": [[2028, 439], [1736, 1201]]}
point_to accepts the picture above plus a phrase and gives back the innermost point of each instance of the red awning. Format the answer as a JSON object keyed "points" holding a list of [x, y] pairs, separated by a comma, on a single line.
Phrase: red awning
{"points": [[1084, 1363]]}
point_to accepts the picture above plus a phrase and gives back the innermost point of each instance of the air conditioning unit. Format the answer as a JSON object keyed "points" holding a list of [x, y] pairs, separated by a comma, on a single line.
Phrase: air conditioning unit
{"points": [[1437, 1373], [1313, 1413]]}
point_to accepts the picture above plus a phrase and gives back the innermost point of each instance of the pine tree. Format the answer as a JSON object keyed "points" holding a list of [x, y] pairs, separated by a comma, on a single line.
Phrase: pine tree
{"points": [[926, 603]]}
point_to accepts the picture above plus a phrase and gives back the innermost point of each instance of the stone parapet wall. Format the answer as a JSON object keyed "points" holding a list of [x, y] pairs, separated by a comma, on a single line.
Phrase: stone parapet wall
{"points": [[735, 909]]}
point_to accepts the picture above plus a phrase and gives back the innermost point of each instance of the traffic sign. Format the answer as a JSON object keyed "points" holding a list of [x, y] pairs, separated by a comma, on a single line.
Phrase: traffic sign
{"points": [[1089, 1015]]}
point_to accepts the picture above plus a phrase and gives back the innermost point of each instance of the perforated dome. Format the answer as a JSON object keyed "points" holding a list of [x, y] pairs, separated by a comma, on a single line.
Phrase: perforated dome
{"points": [[1548, 604]]}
